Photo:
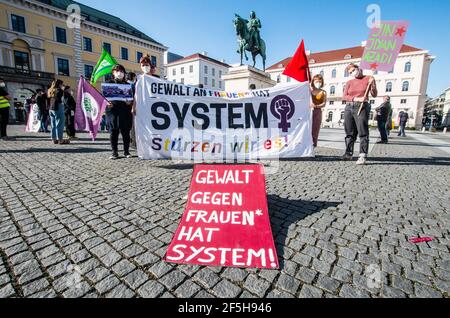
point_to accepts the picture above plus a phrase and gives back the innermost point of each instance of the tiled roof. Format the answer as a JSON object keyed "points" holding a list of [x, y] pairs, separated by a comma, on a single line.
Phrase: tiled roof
{"points": [[336, 55], [101, 18], [200, 56]]}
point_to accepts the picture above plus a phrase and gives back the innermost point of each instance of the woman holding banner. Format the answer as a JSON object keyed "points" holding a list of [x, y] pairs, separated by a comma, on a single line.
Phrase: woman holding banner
{"points": [[319, 101], [357, 112], [119, 117]]}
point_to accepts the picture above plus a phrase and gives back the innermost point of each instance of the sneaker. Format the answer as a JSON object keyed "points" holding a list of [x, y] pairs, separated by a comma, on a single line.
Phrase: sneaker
{"points": [[128, 156], [361, 161], [114, 156], [347, 157]]}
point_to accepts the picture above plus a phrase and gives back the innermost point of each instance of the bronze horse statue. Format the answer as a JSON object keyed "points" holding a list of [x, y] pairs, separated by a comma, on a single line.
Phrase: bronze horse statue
{"points": [[245, 43]]}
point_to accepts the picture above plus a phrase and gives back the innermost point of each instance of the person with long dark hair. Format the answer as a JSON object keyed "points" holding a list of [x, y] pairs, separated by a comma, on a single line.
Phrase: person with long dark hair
{"points": [[70, 106]]}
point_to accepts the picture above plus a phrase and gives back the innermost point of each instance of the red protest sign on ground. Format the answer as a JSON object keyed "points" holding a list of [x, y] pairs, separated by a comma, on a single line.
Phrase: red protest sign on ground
{"points": [[384, 45], [226, 221]]}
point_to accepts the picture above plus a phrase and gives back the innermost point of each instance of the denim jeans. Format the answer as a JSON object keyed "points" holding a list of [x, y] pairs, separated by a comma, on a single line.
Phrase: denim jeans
{"points": [[402, 130], [57, 119]]}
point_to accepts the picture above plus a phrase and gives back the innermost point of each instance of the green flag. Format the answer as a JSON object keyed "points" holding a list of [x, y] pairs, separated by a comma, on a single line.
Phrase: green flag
{"points": [[103, 67]]}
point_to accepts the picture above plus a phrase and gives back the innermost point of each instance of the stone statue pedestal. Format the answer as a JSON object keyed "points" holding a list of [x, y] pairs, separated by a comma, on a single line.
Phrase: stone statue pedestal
{"points": [[239, 78]]}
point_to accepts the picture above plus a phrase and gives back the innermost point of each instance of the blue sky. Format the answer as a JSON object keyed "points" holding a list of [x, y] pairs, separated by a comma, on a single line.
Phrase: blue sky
{"points": [[190, 26]]}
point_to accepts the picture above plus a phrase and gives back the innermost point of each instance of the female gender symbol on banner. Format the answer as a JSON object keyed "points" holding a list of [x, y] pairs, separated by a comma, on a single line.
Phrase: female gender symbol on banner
{"points": [[226, 221]]}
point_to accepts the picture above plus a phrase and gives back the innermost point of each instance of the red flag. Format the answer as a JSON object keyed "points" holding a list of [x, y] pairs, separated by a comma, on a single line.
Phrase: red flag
{"points": [[298, 68]]}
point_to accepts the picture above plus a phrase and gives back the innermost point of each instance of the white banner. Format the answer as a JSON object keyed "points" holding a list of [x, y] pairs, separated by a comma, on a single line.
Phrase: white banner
{"points": [[175, 121]]}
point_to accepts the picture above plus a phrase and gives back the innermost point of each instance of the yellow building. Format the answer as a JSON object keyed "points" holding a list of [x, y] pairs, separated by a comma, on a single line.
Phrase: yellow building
{"points": [[44, 39]]}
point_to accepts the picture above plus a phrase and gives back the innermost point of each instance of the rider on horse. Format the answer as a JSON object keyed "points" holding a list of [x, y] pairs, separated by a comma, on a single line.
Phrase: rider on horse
{"points": [[253, 27]]}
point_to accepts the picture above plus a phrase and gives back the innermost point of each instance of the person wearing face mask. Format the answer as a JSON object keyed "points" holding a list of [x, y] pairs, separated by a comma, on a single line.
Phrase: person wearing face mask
{"points": [[4, 110], [57, 116], [119, 117], [357, 111], [319, 100]]}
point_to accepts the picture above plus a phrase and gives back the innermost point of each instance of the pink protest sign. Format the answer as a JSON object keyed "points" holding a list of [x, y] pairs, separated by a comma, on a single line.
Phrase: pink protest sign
{"points": [[226, 221], [384, 45]]}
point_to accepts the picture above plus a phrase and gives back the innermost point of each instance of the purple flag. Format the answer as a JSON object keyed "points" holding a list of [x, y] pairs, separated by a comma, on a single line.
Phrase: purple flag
{"points": [[90, 108]]}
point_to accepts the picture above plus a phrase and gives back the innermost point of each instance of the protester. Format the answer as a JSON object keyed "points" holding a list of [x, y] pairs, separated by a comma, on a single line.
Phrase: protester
{"points": [[28, 106], [41, 101], [403, 120], [131, 79], [57, 118], [119, 116], [69, 108], [319, 101], [382, 119], [356, 118], [5, 106]]}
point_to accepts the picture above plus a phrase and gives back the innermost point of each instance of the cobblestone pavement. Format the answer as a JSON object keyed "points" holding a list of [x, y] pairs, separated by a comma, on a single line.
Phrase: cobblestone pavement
{"points": [[75, 224]]}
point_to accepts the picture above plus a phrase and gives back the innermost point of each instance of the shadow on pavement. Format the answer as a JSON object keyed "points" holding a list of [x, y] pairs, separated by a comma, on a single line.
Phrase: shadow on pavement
{"points": [[285, 212], [56, 150]]}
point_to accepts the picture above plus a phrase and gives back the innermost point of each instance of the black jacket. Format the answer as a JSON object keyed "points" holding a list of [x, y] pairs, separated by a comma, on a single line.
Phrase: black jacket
{"points": [[69, 103], [57, 100]]}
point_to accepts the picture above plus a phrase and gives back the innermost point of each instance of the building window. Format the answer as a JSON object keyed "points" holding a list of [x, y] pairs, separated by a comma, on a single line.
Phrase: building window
{"points": [[63, 67], [206, 81], [403, 101], [389, 87], [371, 115], [124, 53], [213, 72], [213, 82], [220, 74], [330, 117], [22, 61], [182, 81], [174, 72], [220, 84], [87, 44], [405, 86], [154, 61], [342, 115], [107, 47], [331, 102], [206, 70], [346, 73], [182, 71], [18, 23], [322, 73], [344, 102], [332, 90], [372, 102], [343, 88], [88, 70], [288, 79], [191, 68], [61, 36], [333, 74], [408, 67], [139, 55]]}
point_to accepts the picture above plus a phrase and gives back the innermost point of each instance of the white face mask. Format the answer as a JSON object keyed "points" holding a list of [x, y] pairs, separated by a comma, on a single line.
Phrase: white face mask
{"points": [[317, 85], [356, 73], [146, 69], [2, 84], [119, 75]]}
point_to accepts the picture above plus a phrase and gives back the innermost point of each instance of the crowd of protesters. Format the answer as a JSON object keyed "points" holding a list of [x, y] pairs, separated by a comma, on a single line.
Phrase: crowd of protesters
{"points": [[57, 106]]}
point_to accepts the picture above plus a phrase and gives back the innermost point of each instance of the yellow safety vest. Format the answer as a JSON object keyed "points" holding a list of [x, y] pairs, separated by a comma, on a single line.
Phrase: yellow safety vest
{"points": [[4, 102]]}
